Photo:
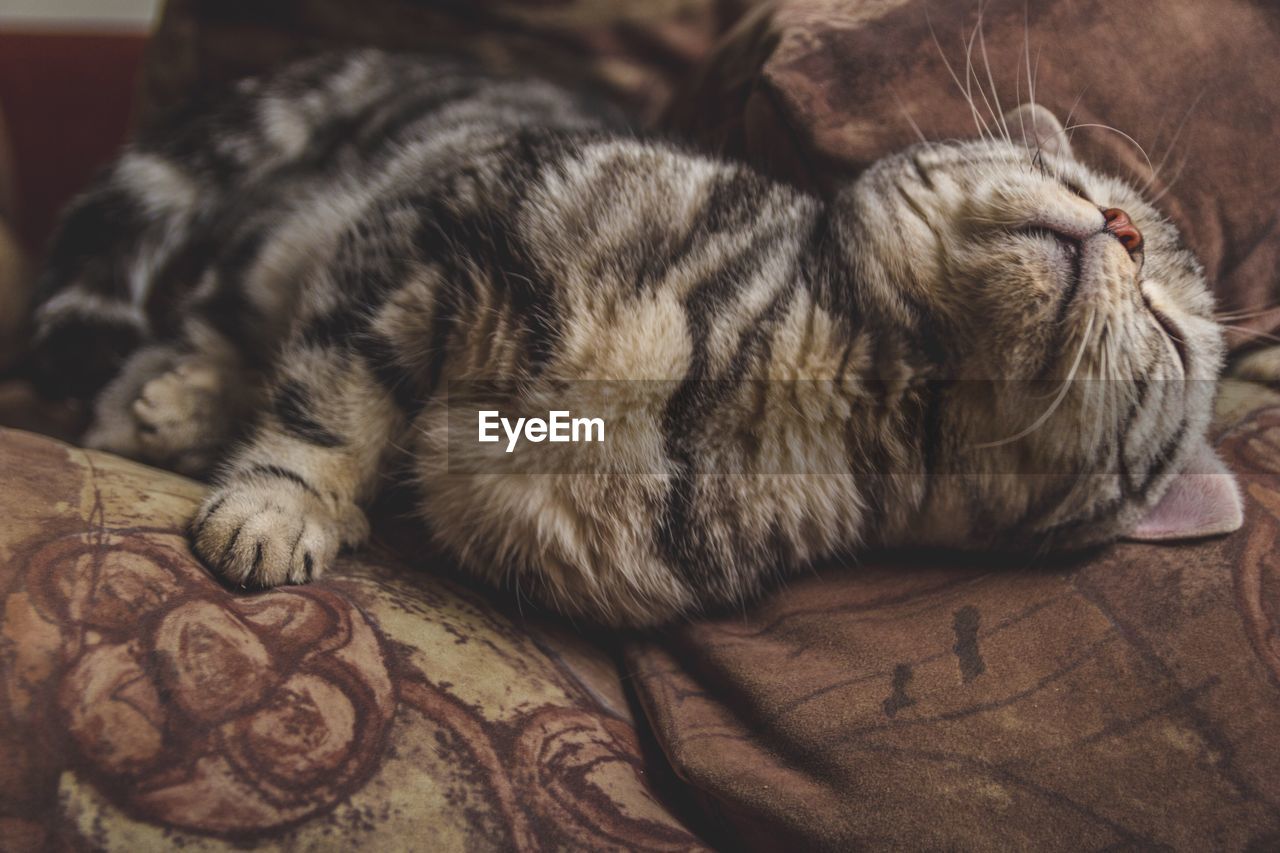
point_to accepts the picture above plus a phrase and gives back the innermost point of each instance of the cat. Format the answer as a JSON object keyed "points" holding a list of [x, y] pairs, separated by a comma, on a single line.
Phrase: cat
{"points": [[324, 280]]}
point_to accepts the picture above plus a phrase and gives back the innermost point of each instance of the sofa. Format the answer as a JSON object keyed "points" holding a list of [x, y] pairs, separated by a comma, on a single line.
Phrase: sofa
{"points": [[1127, 698]]}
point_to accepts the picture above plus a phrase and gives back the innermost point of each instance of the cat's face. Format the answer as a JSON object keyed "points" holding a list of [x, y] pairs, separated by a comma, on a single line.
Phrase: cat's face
{"points": [[1073, 330]]}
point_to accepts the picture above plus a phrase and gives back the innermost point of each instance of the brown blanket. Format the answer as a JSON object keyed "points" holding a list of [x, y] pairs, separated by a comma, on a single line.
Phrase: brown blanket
{"points": [[1128, 700], [935, 702]]}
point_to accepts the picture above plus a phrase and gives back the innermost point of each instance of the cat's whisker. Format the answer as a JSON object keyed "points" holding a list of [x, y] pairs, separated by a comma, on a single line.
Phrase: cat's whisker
{"points": [[1169, 184], [1136, 144], [1022, 124], [1104, 386], [977, 120], [1026, 49], [1231, 316], [1174, 141], [968, 69], [1169, 334], [1057, 401], [986, 61], [1094, 402], [1032, 77], [1032, 74], [907, 115], [1071, 112], [969, 76], [1266, 336], [972, 75]]}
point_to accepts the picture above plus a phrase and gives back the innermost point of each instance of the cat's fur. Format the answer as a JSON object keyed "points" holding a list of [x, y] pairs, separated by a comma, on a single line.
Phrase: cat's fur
{"points": [[313, 265]]}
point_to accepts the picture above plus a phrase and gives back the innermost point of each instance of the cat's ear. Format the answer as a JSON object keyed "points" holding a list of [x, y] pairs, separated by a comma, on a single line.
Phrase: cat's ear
{"points": [[1203, 500], [1038, 129]]}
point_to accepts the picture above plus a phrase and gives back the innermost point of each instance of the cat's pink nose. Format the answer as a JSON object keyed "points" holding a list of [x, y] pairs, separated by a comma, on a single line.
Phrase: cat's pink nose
{"points": [[1121, 226]]}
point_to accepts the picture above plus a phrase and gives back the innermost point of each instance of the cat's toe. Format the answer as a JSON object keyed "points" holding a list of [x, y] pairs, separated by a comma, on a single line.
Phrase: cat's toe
{"points": [[167, 402], [260, 536], [178, 420]]}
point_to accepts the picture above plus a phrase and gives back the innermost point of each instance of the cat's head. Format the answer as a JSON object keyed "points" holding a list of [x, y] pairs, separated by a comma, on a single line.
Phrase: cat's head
{"points": [[1070, 340]]}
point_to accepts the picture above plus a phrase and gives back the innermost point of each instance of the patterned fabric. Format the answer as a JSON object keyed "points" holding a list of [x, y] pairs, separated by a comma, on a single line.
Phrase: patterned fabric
{"points": [[820, 88], [1130, 700], [637, 52], [145, 706]]}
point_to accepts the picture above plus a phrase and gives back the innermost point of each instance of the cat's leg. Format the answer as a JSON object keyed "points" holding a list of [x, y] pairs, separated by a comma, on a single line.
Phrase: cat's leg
{"points": [[113, 427], [290, 497], [187, 416], [178, 406]]}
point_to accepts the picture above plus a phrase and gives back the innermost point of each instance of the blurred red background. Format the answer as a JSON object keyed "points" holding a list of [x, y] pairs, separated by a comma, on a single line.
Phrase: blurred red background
{"points": [[67, 98]]}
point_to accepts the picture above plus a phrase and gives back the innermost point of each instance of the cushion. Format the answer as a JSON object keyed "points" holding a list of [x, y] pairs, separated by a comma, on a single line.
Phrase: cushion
{"points": [[636, 52], [146, 707], [1131, 699], [820, 88]]}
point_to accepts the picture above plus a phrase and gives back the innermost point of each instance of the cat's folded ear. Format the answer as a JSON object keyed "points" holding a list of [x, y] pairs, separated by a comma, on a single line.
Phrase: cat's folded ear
{"points": [[1202, 500], [1038, 129]]}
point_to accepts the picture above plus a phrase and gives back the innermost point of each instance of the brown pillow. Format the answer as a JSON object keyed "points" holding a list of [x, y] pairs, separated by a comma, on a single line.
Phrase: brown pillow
{"points": [[818, 89]]}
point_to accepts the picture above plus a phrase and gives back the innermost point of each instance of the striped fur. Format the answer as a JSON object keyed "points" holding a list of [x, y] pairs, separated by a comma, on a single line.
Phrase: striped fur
{"points": [[298, 288]]}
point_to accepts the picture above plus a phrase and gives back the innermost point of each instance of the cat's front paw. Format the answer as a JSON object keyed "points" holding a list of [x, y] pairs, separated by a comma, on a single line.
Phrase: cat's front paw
{"points": [[265, 534], [183, 417], [168, 409]]}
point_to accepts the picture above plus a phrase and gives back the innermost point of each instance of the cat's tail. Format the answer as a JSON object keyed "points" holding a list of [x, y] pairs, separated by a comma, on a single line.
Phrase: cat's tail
{"points": [[93, 293], [86, 322], [79, 343]]}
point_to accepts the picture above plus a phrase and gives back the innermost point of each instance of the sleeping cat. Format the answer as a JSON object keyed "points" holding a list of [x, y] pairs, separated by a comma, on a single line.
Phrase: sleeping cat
{"points": [[328, 277]]}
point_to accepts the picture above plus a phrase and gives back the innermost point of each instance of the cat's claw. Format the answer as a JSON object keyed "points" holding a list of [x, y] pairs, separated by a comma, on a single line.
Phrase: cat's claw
{"points": [[268, 534]]}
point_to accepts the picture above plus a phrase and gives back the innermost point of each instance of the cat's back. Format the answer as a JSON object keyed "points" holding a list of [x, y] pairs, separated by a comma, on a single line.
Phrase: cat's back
{"points": [[343, 110], [266, 176]]}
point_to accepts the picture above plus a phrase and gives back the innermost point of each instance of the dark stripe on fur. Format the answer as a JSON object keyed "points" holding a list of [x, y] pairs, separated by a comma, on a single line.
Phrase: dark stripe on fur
{"points": [[679, 534], [280, 473], [401, 382], [292, 410]]}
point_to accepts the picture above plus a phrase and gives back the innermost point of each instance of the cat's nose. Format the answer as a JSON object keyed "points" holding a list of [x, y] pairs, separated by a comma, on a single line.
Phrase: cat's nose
{"points": [[1120, 226]]}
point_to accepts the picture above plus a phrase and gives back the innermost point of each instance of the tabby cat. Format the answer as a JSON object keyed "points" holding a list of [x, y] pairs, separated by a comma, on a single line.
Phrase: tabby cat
{"points": [[323, 281]]}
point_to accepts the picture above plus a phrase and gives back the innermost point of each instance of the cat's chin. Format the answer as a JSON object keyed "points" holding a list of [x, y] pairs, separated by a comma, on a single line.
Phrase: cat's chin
{"points": [[1202, 500]]}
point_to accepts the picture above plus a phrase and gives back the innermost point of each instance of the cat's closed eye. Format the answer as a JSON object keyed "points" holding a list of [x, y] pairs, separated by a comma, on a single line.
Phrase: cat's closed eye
{"points": [[1077, 190]]}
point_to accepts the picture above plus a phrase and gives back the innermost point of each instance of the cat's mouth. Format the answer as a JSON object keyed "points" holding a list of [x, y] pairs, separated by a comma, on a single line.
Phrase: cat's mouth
{"points": [[1076, 251], [1172, 332]]}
